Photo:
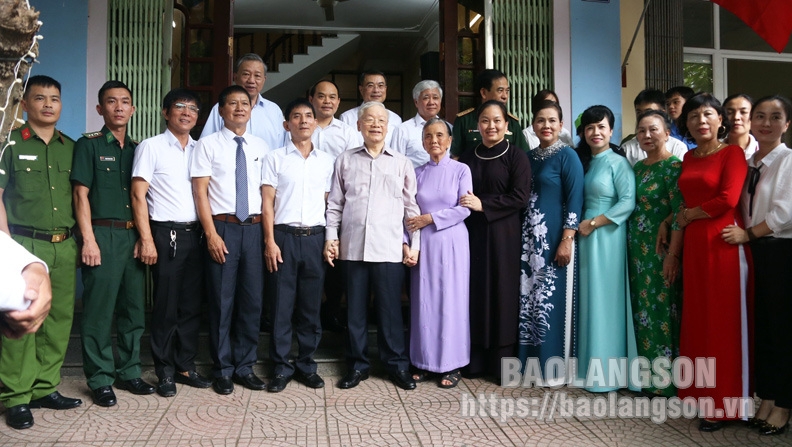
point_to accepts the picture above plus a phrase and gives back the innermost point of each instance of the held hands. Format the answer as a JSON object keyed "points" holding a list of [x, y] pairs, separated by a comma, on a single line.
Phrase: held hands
{"points": [[418, 222], [734, 235], [471, 202], [331, 251], [38, 290], [410, 256], [217, 248], [272, 256]]}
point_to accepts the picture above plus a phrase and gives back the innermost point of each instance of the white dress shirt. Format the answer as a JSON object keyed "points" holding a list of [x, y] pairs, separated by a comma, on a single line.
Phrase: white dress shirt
{"points": [[772, 201], [14, 259], [300, 185], [161, 161], [350, 118], [373, 197], [408, 140], [635, 154], [336, 138], [266, 122], [215, 157]]}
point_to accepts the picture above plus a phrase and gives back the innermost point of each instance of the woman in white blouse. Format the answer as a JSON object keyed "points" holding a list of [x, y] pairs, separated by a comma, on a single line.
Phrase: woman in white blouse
{"points": [[766, 204]]}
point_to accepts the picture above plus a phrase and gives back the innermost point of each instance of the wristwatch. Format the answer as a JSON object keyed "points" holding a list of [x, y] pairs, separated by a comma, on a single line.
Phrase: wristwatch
{"points": [[593, 222]]}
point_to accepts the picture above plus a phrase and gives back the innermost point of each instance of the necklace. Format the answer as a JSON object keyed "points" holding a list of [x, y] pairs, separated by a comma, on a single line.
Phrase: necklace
{"points": [[475, 151], [707, 153]]}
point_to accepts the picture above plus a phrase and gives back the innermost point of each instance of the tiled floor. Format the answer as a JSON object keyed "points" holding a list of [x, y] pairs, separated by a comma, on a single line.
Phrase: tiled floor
{"points": [[375, 413]]}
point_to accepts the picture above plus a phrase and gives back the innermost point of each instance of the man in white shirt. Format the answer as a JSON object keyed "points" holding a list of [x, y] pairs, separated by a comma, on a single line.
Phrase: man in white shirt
{"points": [[332, 136], [226, 177], [373, 87], [170, 242], [250, 72], [408, 137], [296, 181], [650, 99]]}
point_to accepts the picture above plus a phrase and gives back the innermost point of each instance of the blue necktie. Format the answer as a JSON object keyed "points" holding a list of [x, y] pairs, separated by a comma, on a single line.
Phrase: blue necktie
{"points": [[242, 210]]}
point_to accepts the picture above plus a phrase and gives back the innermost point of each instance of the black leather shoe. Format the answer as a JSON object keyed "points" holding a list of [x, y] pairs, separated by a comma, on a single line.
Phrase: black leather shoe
{"points": [[193, 379], [310, 380], [710, 426], [166, 387], [403, 380], [55, 401], [333, 324], [223, 385], [136, 386], [278, 383], [19, 417], [772, 430], [353, 379], [755, 422], [104, 396], [250, 381]]}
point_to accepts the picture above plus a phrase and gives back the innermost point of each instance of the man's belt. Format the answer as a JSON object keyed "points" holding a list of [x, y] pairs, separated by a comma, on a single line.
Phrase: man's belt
{"points": [[110, 223], [300, 231], [251, 220], [47, 235], [186, 226]]}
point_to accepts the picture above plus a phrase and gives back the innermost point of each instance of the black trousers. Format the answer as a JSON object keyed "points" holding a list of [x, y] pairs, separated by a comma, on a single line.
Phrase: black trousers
{"points": [[297, 287], [772, 260], [235, 289], [178, 295], [386, 280]]}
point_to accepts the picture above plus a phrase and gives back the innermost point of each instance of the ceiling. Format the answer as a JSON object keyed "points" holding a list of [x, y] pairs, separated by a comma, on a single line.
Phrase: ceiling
{"points": [[362, 16]]}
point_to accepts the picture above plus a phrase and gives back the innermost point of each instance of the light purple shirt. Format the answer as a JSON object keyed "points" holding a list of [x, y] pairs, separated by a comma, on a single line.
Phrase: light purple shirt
{"points": [[373, 197]]}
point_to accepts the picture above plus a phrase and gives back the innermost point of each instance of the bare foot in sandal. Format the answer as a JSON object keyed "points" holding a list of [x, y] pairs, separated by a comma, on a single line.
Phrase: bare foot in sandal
{"points": [[450, 379], [421, 375]]}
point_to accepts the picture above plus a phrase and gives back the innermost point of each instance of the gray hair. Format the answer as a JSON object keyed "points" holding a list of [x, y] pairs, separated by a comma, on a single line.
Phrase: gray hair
{"points": [[436, 120], [249, 57], [367, 105], [426, 85]]}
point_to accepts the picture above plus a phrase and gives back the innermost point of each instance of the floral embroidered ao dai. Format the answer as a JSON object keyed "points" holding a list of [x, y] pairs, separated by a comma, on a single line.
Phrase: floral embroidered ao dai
{"points": [[548, 292]]}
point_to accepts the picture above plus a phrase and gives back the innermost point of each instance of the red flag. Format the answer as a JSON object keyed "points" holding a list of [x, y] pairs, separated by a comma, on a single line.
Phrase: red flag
{"points": [[771, 19]]}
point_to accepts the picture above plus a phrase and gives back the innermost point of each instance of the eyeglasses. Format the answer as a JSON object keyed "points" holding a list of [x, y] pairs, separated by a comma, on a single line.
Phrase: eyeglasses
{"points": [[180, 106], [371, 121]]}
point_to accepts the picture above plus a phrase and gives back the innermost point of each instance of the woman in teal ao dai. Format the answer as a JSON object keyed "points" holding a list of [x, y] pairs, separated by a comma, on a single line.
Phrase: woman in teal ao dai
{"points": [[605, 330], [655, 246], [548, 298]]}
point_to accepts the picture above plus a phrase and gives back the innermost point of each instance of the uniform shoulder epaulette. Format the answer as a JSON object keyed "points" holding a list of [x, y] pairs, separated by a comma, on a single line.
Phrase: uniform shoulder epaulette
{"points": [[465, 112], [513, 117], [96, 134]]}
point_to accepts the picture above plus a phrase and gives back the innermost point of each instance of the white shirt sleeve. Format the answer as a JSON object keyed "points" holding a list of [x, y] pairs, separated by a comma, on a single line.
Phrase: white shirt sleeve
{"points": [[14, 259]]}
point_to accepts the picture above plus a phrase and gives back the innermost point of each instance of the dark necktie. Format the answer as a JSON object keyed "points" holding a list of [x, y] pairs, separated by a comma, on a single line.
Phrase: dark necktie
{"points": [[242, 209]]}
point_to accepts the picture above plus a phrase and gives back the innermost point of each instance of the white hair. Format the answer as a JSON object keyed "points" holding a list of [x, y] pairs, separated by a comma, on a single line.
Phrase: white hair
{"points": [[367, 105], [426, 85]]}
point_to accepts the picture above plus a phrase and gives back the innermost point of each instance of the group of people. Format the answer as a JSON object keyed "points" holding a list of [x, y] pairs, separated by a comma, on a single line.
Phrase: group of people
{"points": [[509, 248]]}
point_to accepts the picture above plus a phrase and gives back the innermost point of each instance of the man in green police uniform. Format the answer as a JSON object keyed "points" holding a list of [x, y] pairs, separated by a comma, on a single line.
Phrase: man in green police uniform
{"points": [[493, 85], [112, 278], [36, 210]]}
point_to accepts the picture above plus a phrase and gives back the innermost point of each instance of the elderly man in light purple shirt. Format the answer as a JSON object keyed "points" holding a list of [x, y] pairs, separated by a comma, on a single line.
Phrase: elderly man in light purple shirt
{"points": [[373, 190]]}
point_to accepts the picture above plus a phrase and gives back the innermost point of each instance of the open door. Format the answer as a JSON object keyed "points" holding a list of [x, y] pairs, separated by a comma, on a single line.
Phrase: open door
{"points": [[203, 50], [461, 52]]}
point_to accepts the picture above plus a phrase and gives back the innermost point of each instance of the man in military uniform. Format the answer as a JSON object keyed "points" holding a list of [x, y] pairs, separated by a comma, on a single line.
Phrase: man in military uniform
{"points": [[113, 279], [36, 210], [493, 85]]}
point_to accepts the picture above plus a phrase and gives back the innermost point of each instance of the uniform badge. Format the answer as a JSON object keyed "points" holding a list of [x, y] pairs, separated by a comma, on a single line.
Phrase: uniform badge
{"points": [[96, 134], [103, 158], [26, 133]]}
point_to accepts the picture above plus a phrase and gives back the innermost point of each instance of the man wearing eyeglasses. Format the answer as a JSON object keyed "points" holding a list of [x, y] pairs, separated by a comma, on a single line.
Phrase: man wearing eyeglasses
{"points": [[170, 242], [373, 87]]}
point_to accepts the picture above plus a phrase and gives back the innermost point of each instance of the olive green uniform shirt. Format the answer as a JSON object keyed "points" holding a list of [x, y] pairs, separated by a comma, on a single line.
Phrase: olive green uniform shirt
{"points": [[467, 136], [35, 178], [106, 169]]}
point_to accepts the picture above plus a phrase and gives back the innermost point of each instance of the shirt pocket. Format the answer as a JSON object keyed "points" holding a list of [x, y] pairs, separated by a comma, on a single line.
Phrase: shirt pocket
{"points": [[64, 173], [30, 175], [394, 186], [107, 174]]}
